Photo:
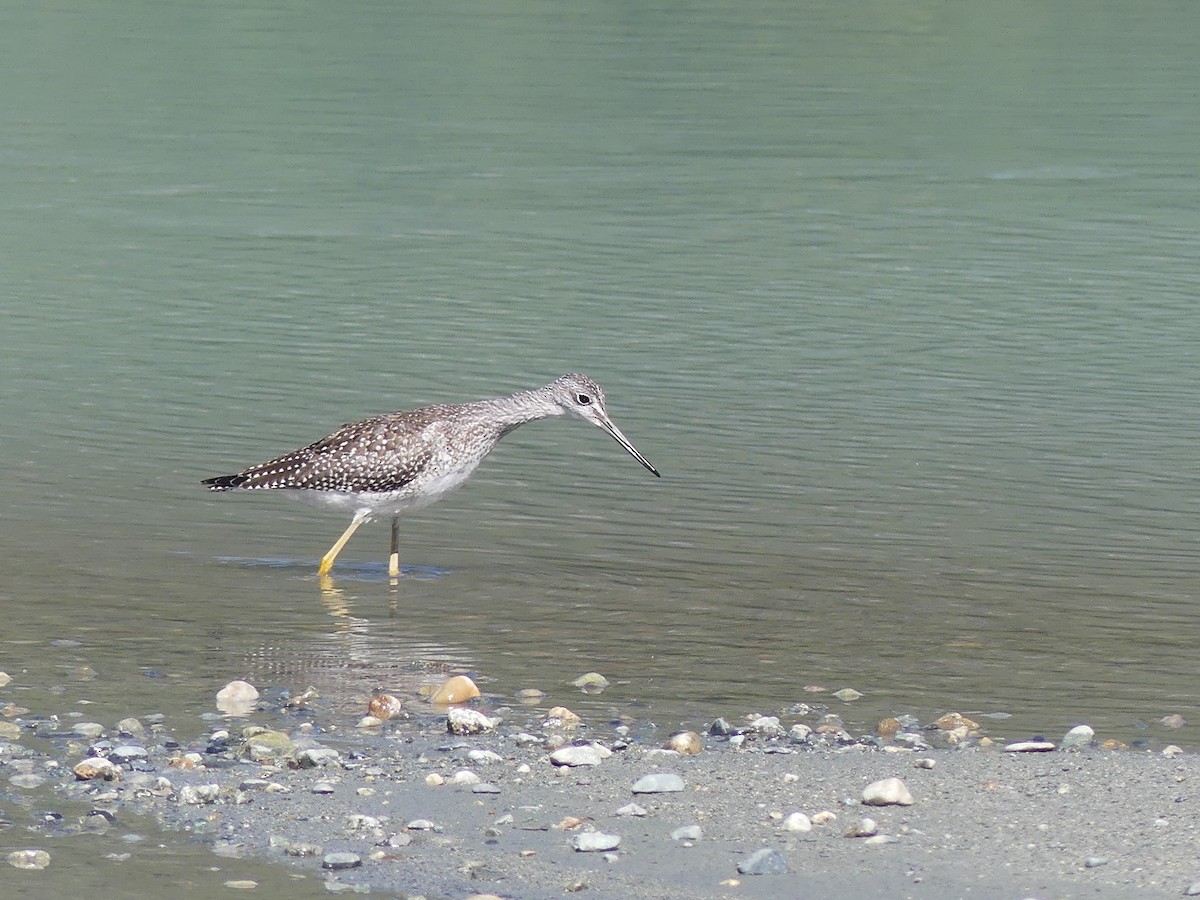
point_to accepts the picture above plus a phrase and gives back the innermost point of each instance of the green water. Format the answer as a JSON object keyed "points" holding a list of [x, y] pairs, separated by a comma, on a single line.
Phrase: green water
{"points": [[901, 299]]}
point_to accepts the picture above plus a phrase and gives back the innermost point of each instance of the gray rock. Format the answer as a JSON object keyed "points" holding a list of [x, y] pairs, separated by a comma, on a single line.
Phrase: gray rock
{"points": [[687, 833], [576, 756], [658, 783], [341, 861], [484, 757], [767, 861], [27, 780], [720, 727], [632, 809], [484, 788], [317, 757], [198, 794], [1192, 890], [322, 787], [128, 753], [1094, 862], [595, 841]]}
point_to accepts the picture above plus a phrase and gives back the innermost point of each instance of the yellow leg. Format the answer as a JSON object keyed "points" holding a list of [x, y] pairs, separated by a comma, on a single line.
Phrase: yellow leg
{"points": [[394, 558], [328, 558]]}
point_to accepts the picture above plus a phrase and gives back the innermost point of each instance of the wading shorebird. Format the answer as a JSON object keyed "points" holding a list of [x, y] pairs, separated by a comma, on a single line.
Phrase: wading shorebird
{"points": [[390, 464]]}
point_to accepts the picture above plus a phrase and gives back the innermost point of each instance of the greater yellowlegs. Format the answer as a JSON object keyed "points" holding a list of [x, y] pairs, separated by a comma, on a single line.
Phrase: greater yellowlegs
{"points": [[390, 464]]}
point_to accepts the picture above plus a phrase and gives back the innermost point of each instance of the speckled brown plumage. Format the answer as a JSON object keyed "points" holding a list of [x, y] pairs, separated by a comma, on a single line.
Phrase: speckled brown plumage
{"points": [[392, 463]]}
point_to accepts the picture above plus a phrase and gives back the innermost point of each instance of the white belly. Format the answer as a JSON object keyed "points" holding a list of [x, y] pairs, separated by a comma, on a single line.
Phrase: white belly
{"points": [[390, 503]]}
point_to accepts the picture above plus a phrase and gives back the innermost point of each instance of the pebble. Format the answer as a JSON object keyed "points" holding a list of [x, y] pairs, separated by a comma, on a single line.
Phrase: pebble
{"points": [[1094, 862], [433, 779], [687, 833], [560, 717], [198, 794], [887, 792], [767, 861], [421, 825], [824, 817], [241, 884], [89, 730], [384, 706], [797, 821], [464, 777], [1172, 721], [863, 828], [1079, 736], [484, 788], [768, 726], [341, 861], [484, 757], [720, 728], [1171, 751], [658, 783], [1192, 890], [322, 787], [131, 727], [632, 809], [317, 757], [877, 839], [595, 841], [29, 859], [1029, 747], [5, 679], [468, 721], [237, 698], [27, 780], [686, 742], [800, 733], [925, 763], [128, 753], [458, 689], [847, 695], [9, 731], [576, 755], [96, 767]]}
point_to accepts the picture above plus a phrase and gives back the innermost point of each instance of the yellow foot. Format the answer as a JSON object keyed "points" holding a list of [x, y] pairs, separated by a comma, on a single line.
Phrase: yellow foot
{"points": [[325, 568], [394, 564]]}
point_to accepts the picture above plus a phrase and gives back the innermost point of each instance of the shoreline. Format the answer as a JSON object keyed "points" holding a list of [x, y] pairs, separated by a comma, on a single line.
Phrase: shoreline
{"points": [[405, 808]]}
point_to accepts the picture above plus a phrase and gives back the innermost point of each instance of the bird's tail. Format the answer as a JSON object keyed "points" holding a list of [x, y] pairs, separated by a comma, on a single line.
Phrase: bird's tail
{"points": [[225, 482]]}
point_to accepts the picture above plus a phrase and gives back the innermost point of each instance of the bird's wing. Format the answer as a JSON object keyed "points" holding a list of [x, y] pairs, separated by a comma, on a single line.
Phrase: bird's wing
{"points": [[366, 456]]}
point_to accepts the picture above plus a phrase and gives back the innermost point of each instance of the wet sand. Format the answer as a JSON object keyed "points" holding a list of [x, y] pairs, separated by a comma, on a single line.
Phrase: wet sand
{"points": [[321, 792]]}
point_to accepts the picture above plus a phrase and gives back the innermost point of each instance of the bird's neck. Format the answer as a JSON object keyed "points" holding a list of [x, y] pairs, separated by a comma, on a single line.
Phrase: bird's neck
{"points": [[516, 409]]}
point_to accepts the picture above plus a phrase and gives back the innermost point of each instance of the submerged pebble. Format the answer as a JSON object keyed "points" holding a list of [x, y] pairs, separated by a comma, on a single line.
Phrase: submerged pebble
{"points": [[237, 698], [29, 859]]}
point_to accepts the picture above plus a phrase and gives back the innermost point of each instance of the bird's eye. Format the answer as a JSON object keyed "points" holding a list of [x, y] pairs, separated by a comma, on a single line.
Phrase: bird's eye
{"points": [[583, 399]]}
